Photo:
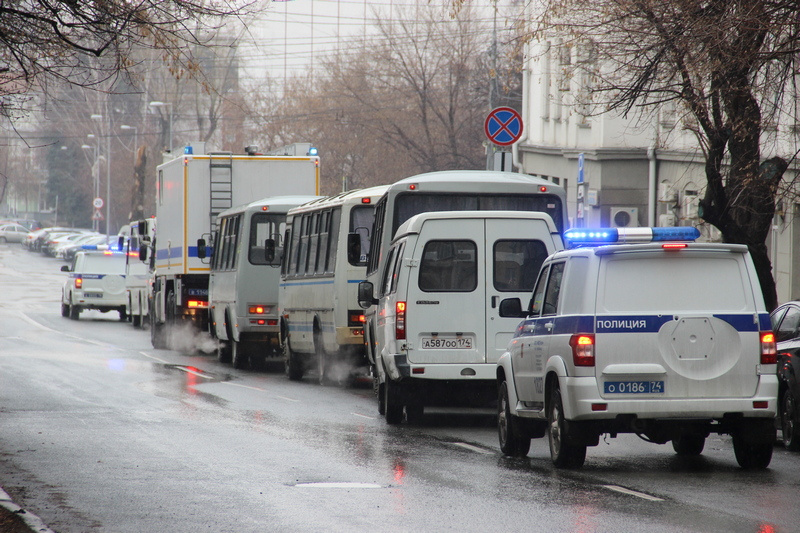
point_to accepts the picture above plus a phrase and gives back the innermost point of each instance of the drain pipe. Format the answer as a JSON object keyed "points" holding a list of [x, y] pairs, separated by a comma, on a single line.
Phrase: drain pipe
{"points": [[652, 183], [526, 86]]}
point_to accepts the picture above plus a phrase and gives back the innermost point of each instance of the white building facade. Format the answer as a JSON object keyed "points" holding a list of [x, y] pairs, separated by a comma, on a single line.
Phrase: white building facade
{"points": [[636, 170]]}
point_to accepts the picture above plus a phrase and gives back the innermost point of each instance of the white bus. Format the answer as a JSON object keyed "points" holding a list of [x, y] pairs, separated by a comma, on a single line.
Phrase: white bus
{"points": [[455, 190], [243, 285], [327, 242]]}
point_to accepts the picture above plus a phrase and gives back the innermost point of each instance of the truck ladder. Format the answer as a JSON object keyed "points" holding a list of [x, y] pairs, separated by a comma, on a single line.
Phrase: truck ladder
{"points": [[221, 186]]}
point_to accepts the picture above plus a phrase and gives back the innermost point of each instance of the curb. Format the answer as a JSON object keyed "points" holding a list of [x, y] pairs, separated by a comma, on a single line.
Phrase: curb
{"points": [[30, 519]]}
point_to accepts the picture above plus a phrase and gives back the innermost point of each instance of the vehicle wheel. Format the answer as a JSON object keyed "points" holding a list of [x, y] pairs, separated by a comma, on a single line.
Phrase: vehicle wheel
{"points": [[291, 361], [381, 399], [239, 356], [223, 351], [123, 314], [321, 356], [689, 444], [136, 320], [169, 319], [790, 428], [751, 455], [74, 312], [157, 336], [64, 310], [414, 413], [512, 441], [2, 240], [563, 453], [393, 408]]}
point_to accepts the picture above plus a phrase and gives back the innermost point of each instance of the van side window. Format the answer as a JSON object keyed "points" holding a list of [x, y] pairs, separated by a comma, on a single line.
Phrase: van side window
{"points": [[553, 289], [386, 279], [537, 299], [516, 264], [449, 266], [396, 270]]}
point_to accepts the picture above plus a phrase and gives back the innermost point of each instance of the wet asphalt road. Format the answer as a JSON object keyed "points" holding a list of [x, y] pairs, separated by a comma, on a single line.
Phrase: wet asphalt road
{"points": [[100, 432]]}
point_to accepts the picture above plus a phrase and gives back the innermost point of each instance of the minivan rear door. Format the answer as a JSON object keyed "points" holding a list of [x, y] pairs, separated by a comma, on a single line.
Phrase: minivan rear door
{"points": [[515, 251], [446, 295]]}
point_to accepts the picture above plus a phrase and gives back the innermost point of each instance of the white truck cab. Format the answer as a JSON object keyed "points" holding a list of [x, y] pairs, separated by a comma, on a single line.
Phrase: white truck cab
{"points": [[439, 331], [668, 339]]}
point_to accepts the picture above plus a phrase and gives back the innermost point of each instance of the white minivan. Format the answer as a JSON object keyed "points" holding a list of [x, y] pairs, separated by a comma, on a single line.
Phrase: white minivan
{"points": [[439, 332]]}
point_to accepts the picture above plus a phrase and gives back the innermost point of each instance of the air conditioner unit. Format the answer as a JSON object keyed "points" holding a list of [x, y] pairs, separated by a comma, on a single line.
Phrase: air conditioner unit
{"points": [[624, 217], [666, 220]]}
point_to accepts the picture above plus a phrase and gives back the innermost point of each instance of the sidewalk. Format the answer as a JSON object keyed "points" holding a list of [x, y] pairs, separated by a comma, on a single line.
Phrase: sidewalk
{"points": [[14, 519]]}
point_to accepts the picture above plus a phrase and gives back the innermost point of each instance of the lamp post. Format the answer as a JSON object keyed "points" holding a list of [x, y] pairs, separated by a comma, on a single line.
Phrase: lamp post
{"points": [[95, 172], [157, 103], [135, 137], [108, 172]]}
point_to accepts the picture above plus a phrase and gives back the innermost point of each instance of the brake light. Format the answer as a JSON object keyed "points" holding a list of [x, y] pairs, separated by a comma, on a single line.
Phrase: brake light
{"points": [[257, 309], [355, 318], [674, 245], [400, 321], [78, 282], [582, 349], [769, 351], [195, 304]]}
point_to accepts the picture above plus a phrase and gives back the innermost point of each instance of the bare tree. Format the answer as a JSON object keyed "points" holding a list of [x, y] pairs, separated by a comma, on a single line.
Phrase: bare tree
{"points": [[46, 41], [727, 64]]}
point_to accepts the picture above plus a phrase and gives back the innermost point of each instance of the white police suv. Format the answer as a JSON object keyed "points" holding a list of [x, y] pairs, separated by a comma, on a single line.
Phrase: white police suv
{"points": [[96, 281], [660, 336]]}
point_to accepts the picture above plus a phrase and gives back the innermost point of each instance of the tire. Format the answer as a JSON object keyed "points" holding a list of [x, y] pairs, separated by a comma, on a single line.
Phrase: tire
{"points": [[64, 310], [751, 455], [136, 320], [689, 444], [223, 351], [414, 413], [123, 315], [157, 336], [563, 453], [394, 409], [790, 428], [239, 356], [381, 399], [292, 362], [512, 441], [74, 312], [169, 320], [320, 355]]}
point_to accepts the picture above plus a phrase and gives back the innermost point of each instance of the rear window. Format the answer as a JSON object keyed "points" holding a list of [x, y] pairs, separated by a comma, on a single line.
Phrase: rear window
{"points": [[672, 282], [104, 264], [449, 266]]}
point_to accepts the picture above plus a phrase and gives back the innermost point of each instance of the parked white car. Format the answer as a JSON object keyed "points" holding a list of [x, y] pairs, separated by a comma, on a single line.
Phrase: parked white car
{"points": [[13, 233]]}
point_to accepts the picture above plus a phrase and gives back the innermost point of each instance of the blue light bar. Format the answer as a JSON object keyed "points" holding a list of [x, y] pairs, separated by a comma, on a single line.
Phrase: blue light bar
{"points": [[312, 151], [588, 237]]}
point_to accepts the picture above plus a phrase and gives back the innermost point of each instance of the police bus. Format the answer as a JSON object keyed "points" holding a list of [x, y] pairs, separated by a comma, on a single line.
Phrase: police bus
{"points": [[459, 190], [243, 285], [327, 244]]}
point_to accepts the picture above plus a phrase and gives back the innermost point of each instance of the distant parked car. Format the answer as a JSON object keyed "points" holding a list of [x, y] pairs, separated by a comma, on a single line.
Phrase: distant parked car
{"points": [[13, 233], [786, 325], [94, 241]]}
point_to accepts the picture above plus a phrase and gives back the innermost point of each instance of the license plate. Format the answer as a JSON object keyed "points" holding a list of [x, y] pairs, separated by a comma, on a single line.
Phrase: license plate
{"points": [[93, 294], [633, 387], [447, 343]]}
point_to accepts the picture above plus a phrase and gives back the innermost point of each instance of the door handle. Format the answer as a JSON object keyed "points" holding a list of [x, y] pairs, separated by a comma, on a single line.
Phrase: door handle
{"points": [[494, 301], [548, 326]]}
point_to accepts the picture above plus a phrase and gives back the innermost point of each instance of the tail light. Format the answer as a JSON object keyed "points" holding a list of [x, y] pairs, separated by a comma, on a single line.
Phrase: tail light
{"points": [[355, 318], [582, 349], [258, 309], [769, 351], [78, 282], [400, 321]]}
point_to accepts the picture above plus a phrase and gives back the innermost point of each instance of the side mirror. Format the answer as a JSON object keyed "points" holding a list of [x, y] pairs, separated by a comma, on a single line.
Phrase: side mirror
{"points": [[64, 268], [121, 243], [365, 294], [269, 250], [511, 308], [201, 249], [353, 248], [143, 253]]}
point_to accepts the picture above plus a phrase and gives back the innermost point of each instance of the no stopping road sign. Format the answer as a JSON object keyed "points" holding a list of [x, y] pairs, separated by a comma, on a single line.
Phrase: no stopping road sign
{"points": [[503, 126]]}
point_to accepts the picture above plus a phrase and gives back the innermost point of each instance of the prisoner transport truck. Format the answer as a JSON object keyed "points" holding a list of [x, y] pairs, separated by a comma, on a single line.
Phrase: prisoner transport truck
{"points": [[191, 191]]}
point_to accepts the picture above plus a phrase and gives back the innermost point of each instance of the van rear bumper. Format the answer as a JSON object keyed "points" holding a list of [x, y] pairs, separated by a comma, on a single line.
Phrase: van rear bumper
{"points": [[582, 401], [399, 368]]}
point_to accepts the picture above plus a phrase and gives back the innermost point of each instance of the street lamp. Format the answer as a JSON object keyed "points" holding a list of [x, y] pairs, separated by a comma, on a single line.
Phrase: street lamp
{"points": [[135, 142], [156, 103], [108, 171], [95, 172]]}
